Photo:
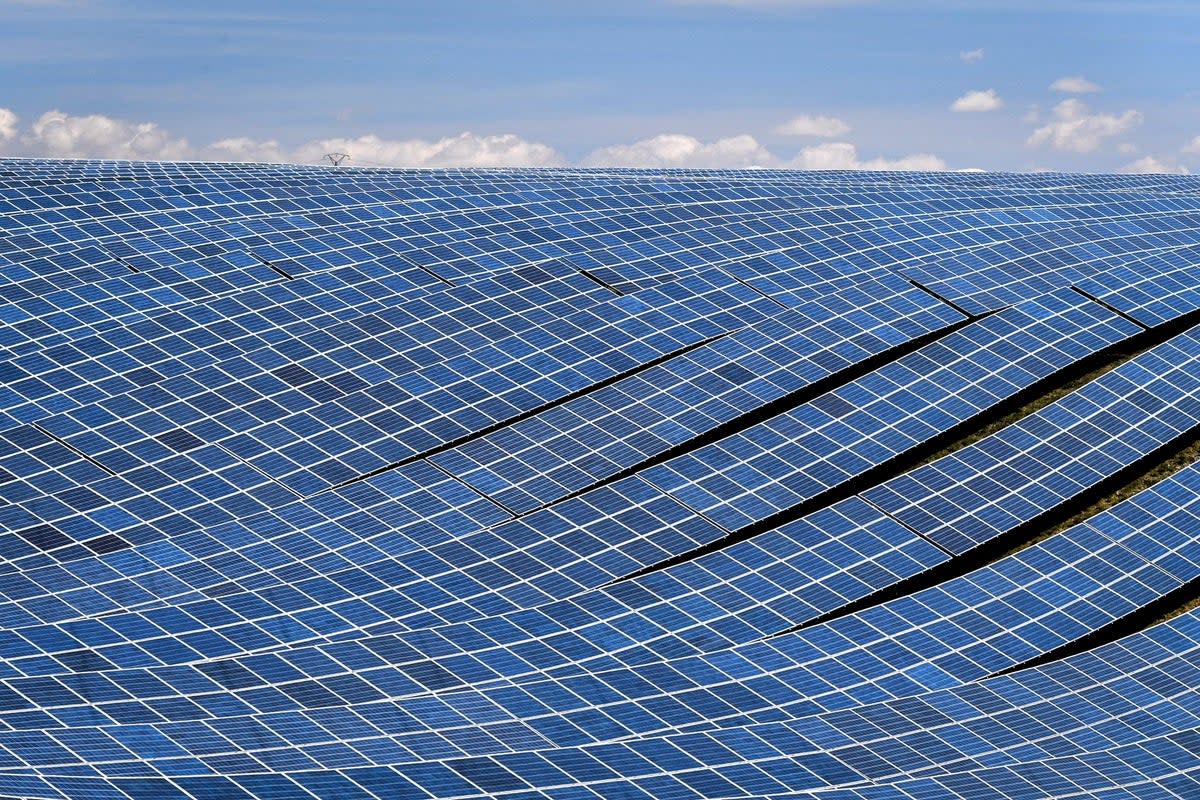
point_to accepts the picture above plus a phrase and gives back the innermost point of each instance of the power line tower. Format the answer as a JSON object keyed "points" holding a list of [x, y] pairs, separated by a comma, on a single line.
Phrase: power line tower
{"points": [[337, 158]]}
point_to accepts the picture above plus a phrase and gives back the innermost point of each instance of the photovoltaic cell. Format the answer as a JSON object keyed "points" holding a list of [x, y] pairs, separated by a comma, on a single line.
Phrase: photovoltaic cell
{"points": [[1152, 290], [990, 596], [353, 433], [370, 483], [821, 444], [1013, 476], [582, 442]]}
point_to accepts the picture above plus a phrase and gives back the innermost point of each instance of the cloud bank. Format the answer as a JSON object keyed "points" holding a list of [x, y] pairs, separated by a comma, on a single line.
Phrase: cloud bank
{"points": [[464, 150], [1074, 128], [8, 125], [678, 150], [1150, 164], [57, 134], [805, 125], [61, 135], [842, 155]]}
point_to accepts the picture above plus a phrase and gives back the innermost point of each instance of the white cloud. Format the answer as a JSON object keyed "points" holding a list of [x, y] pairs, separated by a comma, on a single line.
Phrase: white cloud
{"points": [[678, 150], [8, 125], [242, 148], [843, 155], [57, 134], [1193, 146], [1127, 148], [1074, 84], [977, 100], [971, 56], [831, 155], [1074, 128], [464, 150], [60, 135], [1150, 164], [805, 125]]}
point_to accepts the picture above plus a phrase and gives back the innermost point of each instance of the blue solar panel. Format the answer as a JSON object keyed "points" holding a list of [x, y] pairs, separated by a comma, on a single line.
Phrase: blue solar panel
{"points": [[1037, 463], [1155, 289], [578, 444], [369, 483], [366, 348], [351, 433], [981, 605], [837, 436], [1002, 275]]}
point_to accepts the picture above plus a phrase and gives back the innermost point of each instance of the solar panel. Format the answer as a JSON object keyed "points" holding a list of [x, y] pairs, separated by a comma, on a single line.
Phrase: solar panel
{"points": [[402, 418], [582, 442], [366, 348], [1000, 276], [468, 717], [424, 537], [1037, 463], [369, 483], [1155, 289], [821, 444]]}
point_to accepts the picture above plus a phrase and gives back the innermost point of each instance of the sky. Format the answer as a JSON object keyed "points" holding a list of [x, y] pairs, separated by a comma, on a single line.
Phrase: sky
{"points": [[1065, 85]]}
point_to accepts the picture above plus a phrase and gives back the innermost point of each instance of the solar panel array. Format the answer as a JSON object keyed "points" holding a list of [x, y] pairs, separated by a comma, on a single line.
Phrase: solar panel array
{"points": [[362, 484]]}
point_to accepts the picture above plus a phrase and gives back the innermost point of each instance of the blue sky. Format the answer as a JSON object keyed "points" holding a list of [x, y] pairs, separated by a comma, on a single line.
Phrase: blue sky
{"points": [[705, 83]]}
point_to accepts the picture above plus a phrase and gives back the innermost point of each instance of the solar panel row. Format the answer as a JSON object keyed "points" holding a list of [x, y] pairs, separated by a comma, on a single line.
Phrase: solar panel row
{"points": [[578, 444], [541, 483], [837, 436], [982, 491], [985, 323], [1015, 574]]}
